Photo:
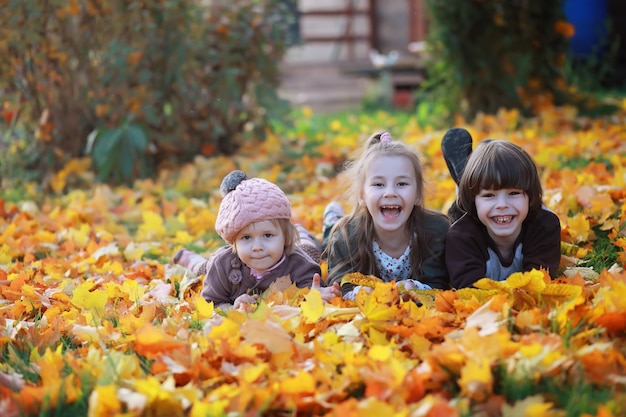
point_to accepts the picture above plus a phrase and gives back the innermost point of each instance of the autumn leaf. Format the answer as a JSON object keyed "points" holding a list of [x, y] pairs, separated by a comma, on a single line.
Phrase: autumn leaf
{"points": [[533, 281], [357, 278], [204, 309], [95, 317], [578, 228], [151, 341], [302, 383], [420, 297], [533, 406], [152, 227], [614, 322], [485, 319], [85, 299], [564, 28], [269, 334], [103, 401], [312, 306], [476, 380], [555, 294], [381, 303], [489, 284]]}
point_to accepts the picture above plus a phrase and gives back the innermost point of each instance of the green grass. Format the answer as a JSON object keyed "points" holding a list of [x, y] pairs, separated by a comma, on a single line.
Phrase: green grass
{"points": [[571, 393], [18, 356], [580, 162], [604, 253]]}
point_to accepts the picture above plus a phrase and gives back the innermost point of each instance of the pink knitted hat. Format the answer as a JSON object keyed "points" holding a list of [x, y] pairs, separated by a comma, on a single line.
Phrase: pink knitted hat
{"points": [[248, 200]]}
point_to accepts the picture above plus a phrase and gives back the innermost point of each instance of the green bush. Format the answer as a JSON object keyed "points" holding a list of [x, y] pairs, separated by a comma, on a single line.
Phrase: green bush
{"points": [[192, 75], [497, 54]]}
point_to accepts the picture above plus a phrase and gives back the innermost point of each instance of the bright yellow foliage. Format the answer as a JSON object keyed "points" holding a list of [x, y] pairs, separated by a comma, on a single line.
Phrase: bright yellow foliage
{"points": [[92, 311]]}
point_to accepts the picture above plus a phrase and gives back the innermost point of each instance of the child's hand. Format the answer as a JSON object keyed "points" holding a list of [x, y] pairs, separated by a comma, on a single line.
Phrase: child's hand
{"points": [[245, 302], [406, 284], [412, 284], [326, 292]]}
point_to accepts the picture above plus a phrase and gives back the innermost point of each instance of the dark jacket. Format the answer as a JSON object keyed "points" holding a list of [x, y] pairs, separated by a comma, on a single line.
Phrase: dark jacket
{"points": [[432, 270], [471, 254]]}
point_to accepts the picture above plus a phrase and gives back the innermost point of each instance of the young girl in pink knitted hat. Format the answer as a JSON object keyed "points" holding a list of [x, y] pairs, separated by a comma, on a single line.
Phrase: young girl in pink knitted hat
{"points": [[254, 218]]}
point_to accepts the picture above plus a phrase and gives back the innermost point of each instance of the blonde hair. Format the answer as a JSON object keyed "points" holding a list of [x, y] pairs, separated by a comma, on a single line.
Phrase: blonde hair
{"points": [[357, 228]]}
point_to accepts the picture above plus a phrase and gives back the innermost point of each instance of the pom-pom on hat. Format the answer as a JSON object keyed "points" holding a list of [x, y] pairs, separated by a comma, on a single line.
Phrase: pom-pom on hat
{"points": [[248, 200]]}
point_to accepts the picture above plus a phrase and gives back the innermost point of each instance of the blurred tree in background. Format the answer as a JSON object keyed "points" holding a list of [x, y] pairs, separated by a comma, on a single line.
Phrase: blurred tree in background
{"points": [[497, 54], [138, 83]]}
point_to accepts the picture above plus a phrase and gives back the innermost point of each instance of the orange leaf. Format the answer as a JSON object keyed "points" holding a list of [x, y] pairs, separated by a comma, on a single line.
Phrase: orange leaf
{"points": [[377, 389], [444, 301], [207, 149], [358, 278], [614, 322], [413, 384], [564, 29], [152, 341]]}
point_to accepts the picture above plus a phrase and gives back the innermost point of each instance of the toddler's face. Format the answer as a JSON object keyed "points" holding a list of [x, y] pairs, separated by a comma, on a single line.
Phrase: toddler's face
{"points": [[260, 245], [502, 212]]}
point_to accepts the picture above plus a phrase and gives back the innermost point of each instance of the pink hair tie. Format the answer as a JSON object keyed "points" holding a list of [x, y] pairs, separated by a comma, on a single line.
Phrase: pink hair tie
{"points": [[385, 137]]}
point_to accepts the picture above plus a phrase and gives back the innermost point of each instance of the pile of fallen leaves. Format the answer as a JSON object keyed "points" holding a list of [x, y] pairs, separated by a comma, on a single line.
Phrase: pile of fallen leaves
{"points": [[94, 320]]}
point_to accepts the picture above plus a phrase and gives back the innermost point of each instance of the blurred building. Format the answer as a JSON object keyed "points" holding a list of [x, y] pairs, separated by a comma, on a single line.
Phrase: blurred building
{"points": [[329, 67]]}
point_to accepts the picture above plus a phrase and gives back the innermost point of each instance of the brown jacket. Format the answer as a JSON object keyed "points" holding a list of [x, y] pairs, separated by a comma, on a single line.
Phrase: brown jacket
{"points": [[227, 277]]}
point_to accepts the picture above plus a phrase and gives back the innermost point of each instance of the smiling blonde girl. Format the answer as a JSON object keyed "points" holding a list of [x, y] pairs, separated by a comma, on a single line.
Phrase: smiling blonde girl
{"points": [[389, 233]]}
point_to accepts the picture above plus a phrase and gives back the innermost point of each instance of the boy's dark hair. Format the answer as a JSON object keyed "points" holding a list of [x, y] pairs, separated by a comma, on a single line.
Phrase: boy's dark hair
{"points": [[497, 164]]}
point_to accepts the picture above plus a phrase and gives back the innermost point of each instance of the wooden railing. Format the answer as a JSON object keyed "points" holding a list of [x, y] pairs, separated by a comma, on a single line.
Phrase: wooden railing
{"points": [[347, 37]]}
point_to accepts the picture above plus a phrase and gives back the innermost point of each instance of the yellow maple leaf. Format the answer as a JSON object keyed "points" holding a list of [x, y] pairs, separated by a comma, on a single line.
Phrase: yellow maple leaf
{"points": [[480, 295], [578, 228], [160, 399], [50, 365], [533, 281], [131, 288], [380, 353], [103, 401], [381, 303], [476, 380], [211, 407], [312, 306], [152, 226], [424, 297], [489, 284], [85, 299], [252, 372], [576, 251], [183, 238], [80, 236], [556, 294], [301, 383], [134, 251], [204, 309]]}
